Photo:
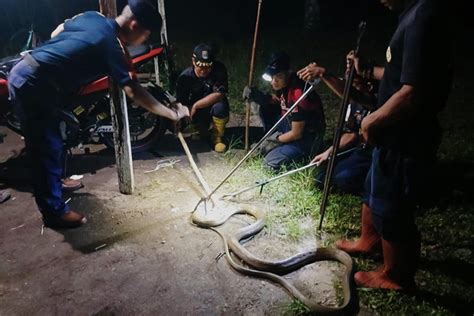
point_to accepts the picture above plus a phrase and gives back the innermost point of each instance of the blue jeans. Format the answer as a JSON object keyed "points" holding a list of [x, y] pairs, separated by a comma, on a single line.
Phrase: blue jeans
{"points": [[34, 101], [288, 152]]}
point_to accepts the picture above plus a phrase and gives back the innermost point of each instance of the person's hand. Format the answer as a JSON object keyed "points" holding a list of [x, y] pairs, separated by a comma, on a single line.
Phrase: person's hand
{"points": [[246, 93], [311, 72], [319, 159], [352, 58], [193, 111], [252, 94], [181, 110], [270, 143]]}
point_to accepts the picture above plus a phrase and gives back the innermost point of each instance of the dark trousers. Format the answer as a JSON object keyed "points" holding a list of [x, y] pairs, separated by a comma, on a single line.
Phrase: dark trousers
{"points": [[204, 116], [395, 183], [350, 171], [34, 102], [287, 152]]}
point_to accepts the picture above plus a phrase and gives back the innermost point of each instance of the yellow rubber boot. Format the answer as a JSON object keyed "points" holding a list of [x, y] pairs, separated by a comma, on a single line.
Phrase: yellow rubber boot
{"points": [[218, 128]]}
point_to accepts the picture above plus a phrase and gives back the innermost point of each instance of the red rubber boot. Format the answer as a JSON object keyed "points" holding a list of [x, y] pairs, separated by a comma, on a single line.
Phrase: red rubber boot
{"points": [[369, 240], [398, 273]]}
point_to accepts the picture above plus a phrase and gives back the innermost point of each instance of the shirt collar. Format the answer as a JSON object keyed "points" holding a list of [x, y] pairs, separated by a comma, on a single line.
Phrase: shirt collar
{"points": [[113, 24]]}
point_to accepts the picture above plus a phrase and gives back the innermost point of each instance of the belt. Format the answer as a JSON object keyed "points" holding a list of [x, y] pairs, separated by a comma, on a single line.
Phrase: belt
{"points": [[31, 61]]}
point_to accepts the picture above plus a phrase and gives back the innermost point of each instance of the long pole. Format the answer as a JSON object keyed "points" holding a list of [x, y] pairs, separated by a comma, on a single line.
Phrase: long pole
{"points": [[196, 170], [262, 183], [303, 96], [286, 174], [338, 133], [252, 64]]}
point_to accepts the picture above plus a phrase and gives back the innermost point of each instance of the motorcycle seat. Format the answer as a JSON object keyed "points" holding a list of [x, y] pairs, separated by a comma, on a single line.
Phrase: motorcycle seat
{"points": [[138, 50]]}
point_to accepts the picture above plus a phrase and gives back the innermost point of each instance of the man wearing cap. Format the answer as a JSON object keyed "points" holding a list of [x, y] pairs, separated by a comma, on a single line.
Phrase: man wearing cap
{"points": [[81, 49], [301, 134], [405, 132], [203, 88]]}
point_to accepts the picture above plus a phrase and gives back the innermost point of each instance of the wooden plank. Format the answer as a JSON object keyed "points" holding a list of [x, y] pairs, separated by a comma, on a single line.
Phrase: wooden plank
{"points": [[118, 105]]}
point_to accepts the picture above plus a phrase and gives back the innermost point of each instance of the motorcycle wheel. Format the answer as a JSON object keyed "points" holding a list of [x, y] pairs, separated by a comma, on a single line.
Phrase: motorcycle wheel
{"points": [[145, 129]]}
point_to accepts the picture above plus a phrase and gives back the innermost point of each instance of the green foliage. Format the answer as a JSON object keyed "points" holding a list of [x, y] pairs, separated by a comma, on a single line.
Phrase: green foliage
{"points": [[296, 308], [396, 303], [447, 228]]}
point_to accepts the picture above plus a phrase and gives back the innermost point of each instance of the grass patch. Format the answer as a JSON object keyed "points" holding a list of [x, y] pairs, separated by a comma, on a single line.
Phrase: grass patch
{"points": [[296, 308], [447, 226]]}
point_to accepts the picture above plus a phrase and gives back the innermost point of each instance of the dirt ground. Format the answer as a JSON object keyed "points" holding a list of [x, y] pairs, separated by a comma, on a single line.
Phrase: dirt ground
{"points": [[138, 254]]}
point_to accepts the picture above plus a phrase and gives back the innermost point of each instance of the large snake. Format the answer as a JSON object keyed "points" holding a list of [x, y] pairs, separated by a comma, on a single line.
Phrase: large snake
{"points": [[273, 270]]}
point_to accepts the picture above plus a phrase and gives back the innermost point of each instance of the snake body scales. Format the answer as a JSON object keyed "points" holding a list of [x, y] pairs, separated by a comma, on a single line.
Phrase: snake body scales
{"points": [[274, 270]]}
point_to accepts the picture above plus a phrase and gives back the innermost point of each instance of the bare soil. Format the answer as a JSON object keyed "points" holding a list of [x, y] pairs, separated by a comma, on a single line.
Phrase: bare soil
{"points": [[138, 254]]}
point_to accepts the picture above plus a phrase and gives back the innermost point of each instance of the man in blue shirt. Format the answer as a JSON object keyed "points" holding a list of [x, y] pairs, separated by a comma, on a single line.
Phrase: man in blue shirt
{"points": [[405, 132], [81, 49]]}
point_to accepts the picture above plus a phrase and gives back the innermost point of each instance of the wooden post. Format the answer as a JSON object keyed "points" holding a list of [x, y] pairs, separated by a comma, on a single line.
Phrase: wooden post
{"points": [[252, 63], [118, 104], [163, 38], [164, 29]]}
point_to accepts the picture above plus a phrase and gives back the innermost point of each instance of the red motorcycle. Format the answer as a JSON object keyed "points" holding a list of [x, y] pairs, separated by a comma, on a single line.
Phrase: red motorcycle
{"points": [[86, 120]]}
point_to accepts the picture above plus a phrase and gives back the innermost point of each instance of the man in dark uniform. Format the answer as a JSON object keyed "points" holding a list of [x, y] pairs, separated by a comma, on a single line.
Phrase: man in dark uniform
{"points": [[82, 48], [354, 157], [301, 134], [203, 88], [415, 83]]}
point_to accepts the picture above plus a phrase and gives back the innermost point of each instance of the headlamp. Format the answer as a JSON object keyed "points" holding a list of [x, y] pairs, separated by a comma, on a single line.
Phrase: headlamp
{"points": [[267, 77]]}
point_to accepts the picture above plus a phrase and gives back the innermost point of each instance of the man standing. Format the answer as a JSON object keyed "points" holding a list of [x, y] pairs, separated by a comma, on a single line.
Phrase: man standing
{"points": [[203, 88], [82, 48], [415, 83]]}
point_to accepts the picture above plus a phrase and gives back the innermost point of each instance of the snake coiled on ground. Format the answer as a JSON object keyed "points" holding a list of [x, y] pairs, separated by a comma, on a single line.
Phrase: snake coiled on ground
{"points": [[273, 270]]}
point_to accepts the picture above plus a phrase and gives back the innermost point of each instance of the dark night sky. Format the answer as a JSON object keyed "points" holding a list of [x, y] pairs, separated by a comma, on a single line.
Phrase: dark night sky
{"points": [[222, 18], [213, 16]]}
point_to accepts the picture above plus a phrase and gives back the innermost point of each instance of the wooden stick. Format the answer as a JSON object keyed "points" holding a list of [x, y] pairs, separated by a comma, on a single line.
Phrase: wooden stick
{"points": [[118, 103], [196, 170], [252, 64]]}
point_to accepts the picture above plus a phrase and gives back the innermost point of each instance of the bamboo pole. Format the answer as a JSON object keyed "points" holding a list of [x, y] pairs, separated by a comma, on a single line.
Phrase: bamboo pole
{"points": [[252, 64], [195, 168]]}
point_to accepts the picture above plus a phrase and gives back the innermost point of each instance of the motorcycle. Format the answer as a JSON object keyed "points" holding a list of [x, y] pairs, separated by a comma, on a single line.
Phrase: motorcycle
{"points": [[87, 120]]}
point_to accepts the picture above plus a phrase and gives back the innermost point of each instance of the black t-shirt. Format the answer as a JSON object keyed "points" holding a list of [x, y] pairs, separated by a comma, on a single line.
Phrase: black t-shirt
{"points": [[419, 54], [309, 110], [190, 88]]}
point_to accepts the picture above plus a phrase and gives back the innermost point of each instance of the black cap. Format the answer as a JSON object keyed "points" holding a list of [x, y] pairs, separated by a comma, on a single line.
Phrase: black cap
{"points": [[203, 55], [278, 62], [146, 13]]}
